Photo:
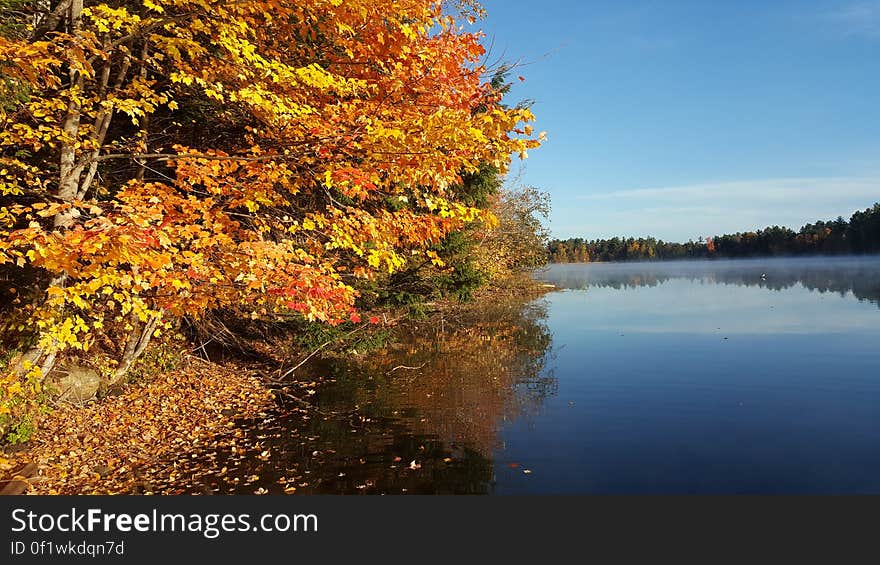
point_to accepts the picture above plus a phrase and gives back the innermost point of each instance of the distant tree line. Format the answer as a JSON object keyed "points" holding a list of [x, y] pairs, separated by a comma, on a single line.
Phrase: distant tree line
{"points": [[859, 235]]}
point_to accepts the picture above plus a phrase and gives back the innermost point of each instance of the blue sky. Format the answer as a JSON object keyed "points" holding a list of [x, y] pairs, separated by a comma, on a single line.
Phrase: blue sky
{"points": [[685, 119]]}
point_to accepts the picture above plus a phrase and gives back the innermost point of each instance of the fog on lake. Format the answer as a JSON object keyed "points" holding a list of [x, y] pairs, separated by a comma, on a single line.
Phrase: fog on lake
{"points": [[749, 376]]}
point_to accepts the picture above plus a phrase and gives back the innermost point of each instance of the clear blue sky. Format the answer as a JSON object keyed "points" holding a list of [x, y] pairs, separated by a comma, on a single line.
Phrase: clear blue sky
{"points": [[683, 119]]}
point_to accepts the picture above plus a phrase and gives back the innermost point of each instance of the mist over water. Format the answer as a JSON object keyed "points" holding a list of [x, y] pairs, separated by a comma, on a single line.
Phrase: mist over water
{"points": [[740, 376], [859, 275]]}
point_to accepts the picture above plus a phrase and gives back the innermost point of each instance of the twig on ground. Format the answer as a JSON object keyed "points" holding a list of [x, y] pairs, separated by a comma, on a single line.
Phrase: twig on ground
{"points": [[406, 367]]}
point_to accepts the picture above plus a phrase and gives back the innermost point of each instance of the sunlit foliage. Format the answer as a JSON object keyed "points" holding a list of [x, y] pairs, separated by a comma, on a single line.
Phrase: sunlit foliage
{"points": [[165, 158]]}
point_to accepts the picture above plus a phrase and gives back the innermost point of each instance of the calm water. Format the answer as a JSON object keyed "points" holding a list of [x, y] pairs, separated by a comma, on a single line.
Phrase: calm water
{"points": [[697, 377], [707, 377]]}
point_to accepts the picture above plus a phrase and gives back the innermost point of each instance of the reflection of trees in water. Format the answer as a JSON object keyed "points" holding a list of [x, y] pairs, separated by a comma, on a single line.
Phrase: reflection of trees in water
{"points": [[420, 417], [439, 398], [458, 380], [859, 276]]}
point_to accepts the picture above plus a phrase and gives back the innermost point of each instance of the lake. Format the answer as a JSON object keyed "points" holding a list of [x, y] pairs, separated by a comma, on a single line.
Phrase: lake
{"points": [[748, 376]]}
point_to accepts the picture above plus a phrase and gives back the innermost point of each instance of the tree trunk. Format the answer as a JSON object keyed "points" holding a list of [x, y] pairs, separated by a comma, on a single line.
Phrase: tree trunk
{"points": [[69, 173], [135, 346], [102, 121], [145, 120], [42, 26]]}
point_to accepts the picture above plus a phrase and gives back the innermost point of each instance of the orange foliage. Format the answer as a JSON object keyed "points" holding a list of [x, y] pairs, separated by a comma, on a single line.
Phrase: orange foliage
{"points": [[343, 126]]}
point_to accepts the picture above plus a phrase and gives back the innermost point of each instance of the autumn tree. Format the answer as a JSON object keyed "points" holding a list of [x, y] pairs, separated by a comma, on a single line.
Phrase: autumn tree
{"points": [[166, 158], [519, 242]]}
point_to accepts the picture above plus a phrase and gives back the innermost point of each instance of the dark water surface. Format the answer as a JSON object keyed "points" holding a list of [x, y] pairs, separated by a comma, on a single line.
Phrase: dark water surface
{"points": [[758, 376]]}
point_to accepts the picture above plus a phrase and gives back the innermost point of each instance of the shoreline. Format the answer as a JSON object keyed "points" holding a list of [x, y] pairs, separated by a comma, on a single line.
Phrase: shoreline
{"points": [[128, 442]]}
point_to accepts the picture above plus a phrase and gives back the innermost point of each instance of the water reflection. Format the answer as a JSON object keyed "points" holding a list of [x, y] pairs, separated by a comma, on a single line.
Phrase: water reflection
{"points": [[421, 417], [841, 275], [749, 376], [756, 376]]}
